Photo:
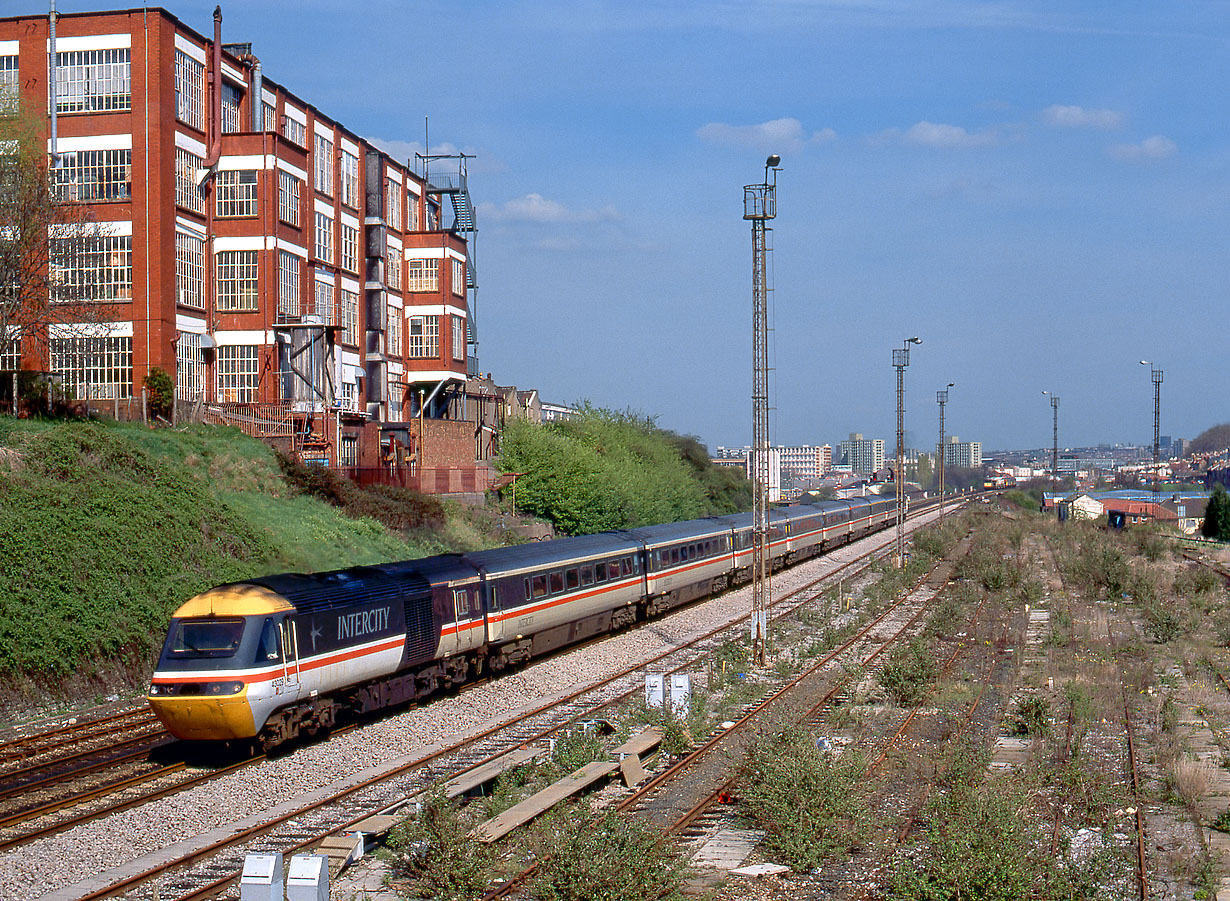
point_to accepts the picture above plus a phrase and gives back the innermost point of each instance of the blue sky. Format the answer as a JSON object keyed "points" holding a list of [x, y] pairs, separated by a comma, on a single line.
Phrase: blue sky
{"points": [[1038, 190]]}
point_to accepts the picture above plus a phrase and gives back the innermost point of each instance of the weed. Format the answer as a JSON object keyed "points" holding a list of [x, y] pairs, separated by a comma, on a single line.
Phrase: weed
{"points": [[605, 857], [435, 852], [1188, 778], [809, 802], [1032, 716], [574, 748], [1206, 874], [1222, 823], [1168, 715], [910, 672]]}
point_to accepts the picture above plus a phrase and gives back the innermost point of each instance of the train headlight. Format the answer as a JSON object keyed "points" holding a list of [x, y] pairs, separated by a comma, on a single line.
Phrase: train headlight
{"points": [[225, 688], [155, 690]]}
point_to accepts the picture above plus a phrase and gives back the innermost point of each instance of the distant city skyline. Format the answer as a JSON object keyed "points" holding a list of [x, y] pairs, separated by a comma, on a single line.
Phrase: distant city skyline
{"points": [[1036, 189]]}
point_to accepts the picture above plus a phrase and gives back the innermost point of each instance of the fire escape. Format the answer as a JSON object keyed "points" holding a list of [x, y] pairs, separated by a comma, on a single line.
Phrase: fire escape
{"points": [[453, 181]]}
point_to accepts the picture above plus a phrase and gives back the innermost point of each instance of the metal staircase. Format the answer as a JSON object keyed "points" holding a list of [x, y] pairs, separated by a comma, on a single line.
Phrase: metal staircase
{"points": [[452, 179]]}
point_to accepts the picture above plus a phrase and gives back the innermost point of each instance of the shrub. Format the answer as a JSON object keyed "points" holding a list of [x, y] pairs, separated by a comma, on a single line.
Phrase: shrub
{"points": [[434, 850], [605, 857], [910, 672], [160, 392], [1032, 716], [810, 803]]}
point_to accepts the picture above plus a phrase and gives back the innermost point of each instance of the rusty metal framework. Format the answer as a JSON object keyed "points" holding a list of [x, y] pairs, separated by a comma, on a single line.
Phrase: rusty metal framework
{"points": [[760, 206], [901, 359], [941, 397], [1157, 425]]}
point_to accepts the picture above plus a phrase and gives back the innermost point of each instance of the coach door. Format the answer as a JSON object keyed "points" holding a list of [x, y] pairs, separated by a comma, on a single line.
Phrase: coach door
{"points": [[290, 658]]}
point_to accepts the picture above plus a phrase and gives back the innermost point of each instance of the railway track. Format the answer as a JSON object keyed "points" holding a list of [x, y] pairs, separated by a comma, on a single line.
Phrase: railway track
{"points": [[213, 867]]}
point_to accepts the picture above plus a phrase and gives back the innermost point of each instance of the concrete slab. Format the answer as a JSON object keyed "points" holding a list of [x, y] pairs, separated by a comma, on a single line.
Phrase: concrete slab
{"points": [[726, 850]]}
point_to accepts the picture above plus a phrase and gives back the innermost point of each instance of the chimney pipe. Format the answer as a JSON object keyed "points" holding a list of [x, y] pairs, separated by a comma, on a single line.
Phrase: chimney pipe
{"points": [[258, 98], [215, 144]]}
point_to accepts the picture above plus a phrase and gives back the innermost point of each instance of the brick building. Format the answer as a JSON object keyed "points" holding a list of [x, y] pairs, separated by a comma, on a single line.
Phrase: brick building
{"points": [[288, 274]]}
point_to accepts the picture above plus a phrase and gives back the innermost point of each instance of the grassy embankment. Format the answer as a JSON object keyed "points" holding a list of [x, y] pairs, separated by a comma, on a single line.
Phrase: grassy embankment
{"points": [[106, 528]]}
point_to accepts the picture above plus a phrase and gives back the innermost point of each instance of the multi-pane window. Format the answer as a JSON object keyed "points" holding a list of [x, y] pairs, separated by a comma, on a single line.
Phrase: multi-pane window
{"points": [[324, 165], [294, 131], [348, 398], [190, 269], [189, 367], [423, 275], [433, 217], [231, 98], [459, 338], [9, 96], [350, 248], [269, 116], [236, 192], [10, 349], [324, 301], [94, 175], [393, 332], [93, 81], [189, 90], [288, 198], [397, 391], [392, 203], [288, 283], [93, 367], [187, 191], [423, 337], [349, 178], [393, 267], [349, 304], [348, 447], [324, 237], [236, 280], [459, 277], [412, 212], [91, 267], [238, 373]]}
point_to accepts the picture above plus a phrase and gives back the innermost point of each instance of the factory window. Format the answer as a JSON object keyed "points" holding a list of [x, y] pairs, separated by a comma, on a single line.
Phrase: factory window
{"points": [[236, 193], [424, 337], [231, 98], [392, 267], [269, 115], [189, 367], [294, 131], [348, 397], [423, 275], [238, 373], [91, 267], [412, 212], [236, 280], [324, 237], [459, 338], [93, 367], [10, 349], [9, 95], [350, 248], [397, 391], [348, 451], [94, 175], [394, 332], [350, 317], [392, 212], [324, 165], [459, 278], [288, 284], [190, 269], [187, 191], [349, 179], [189, 91], [288, 198], [93, 81], [324, 301]]}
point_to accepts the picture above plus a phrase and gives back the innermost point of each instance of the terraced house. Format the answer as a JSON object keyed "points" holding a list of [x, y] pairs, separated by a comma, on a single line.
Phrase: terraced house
{"points": [[291, 276]]}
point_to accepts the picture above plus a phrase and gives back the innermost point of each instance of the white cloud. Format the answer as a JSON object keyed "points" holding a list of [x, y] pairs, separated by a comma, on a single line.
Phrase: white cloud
{"points": [[1079, 117], [776, 136], [1157, 147], [935, 134], [537, 209]]}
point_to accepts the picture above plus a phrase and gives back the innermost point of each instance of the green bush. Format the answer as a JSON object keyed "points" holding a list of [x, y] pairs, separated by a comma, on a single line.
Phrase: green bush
{"points": [[910, 672], [433, 849], [1032, 716], [160, 392], [605, 857], [810, 803]]}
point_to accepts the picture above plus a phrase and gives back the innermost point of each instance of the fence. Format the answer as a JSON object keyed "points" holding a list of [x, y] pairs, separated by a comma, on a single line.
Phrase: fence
{"points": [[428, 480]]}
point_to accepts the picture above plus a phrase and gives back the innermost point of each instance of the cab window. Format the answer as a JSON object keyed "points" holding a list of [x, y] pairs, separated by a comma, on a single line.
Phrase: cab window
{"points": [[268, 648], [205, 638]]}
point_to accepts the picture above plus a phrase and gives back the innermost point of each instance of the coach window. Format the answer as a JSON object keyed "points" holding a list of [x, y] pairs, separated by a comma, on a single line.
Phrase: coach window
{"points": [[557, 582], [572, 579], [540, 586], [599, 572], [628, 569], [528, 595], [268, 647], [587, 575]]}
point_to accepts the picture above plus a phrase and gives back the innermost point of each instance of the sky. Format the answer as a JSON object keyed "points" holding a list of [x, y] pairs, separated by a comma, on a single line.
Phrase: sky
{"points": [[1038, 190]]}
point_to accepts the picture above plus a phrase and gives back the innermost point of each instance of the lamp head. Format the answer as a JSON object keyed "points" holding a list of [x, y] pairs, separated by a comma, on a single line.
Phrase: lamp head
{"points": [[914, 340], [950, 384], [773, 161]]}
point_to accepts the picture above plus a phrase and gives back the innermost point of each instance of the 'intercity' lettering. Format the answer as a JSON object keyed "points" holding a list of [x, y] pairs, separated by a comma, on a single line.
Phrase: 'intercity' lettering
{"points": [[356, 625]]}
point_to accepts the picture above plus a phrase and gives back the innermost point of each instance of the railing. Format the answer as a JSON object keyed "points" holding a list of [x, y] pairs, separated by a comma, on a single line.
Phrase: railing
{"points": [[427, 480], [257, 420]]}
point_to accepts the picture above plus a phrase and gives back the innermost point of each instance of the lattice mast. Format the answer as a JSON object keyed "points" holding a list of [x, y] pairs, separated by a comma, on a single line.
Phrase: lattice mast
{"points": [[1157, 425], [901, 360], [759, 206], [941, 398]]}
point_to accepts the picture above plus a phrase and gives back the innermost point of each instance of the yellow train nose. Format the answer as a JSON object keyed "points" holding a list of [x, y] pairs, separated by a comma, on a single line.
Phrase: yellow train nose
{"points": [[197, 718]]}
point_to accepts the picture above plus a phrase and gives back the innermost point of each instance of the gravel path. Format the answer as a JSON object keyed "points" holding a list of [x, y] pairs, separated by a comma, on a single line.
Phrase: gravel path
{"points": [[59, 861]]}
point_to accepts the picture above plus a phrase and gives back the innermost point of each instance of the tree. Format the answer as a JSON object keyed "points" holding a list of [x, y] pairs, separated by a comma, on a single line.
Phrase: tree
{"points": [[1217, 515], [41, 230], [1212, 440], [160, 389]]}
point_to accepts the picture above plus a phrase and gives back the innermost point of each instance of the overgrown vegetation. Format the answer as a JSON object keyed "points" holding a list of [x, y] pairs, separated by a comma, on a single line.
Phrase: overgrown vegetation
{"points": [[609, 470], [434, 852], [810, 802], [910, 671]]}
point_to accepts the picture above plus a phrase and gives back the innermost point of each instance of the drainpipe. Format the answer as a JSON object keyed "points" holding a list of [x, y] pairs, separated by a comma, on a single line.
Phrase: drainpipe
{"points": [[215, 144], [51, 77], [258, 98]]}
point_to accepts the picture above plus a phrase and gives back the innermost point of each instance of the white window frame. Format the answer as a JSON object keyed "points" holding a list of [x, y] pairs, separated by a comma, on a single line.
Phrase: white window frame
{"points": [[289, 188], [238, 373], [289, 280], [91, 268], [232, 97], [93, 81], [423, 276], [423, 337], [188, 193], [94, 367], [324, 237], [189, 367], [393, 333], [348, 168], [323, 164], [459, 277], [350, 248], [324, 301], [189, 90], [235, 190], [10, 86], [348, 304], [190, 270], [294, 131], [392, 213], [459, 338], [237, 280], [392, 266], [348, 445]]}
